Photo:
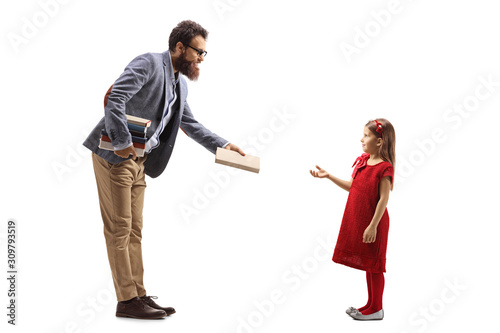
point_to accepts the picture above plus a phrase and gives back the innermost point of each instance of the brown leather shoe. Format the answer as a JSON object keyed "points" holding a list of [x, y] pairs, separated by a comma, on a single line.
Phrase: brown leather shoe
{"points": [[149, 301], [138, 309]]}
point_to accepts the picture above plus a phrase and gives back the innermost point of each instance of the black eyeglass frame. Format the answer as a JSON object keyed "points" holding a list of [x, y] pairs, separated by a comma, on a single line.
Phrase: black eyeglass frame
{"points": [[199, 52]]}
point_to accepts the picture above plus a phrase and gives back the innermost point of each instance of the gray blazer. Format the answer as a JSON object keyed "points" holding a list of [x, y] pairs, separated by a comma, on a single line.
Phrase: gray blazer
{"points": [[143, 90]]}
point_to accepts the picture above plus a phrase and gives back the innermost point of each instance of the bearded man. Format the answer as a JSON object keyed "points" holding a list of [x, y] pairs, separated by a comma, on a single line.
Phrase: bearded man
{"points": [[150, 87]]}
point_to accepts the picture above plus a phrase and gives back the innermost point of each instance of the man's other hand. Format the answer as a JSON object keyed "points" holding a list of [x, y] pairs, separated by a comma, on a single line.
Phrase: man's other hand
{"points": [[124, 153]]}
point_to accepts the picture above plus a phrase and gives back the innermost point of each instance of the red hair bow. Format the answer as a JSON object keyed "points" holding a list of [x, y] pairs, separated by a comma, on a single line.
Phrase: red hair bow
{"points": [[360, 163], [379, 127]]}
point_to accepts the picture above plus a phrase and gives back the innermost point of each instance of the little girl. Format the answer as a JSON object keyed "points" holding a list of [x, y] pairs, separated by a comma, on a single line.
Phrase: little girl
{"points": [[362, 240]]}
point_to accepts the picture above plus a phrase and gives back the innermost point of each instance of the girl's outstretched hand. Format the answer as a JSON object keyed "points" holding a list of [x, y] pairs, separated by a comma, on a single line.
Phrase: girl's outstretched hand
{"points": [[370, 234], [320, 173]]}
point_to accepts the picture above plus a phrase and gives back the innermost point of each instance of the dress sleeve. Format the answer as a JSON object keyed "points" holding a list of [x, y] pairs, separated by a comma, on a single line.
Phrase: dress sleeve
{"points": [[387, 171]]}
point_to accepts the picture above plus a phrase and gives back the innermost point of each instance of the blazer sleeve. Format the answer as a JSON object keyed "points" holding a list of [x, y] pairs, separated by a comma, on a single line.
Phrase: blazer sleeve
{"points": [[133, 78], [200, 133]]}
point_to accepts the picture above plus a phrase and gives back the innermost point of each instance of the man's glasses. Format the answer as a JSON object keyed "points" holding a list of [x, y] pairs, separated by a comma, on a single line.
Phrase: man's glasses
{"points": [[198, 51]]}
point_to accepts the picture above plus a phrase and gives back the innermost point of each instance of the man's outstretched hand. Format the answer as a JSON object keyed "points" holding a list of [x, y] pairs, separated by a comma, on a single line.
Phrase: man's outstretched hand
{"points": [[235, 148]]}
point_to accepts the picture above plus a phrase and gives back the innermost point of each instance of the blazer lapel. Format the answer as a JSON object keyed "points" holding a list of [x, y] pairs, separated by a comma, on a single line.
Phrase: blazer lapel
{"points": [[169, 79], [183, 95]]}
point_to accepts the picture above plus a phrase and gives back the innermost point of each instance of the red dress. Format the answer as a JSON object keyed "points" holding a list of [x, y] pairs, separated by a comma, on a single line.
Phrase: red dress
{"points": [[359, 210]]}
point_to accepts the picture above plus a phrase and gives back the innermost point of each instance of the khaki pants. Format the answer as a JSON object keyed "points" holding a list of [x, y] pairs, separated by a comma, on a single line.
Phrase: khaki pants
{"points": [[121, 189]]}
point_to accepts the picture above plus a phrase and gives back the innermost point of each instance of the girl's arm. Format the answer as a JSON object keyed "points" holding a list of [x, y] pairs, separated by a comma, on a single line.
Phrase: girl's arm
{"points": [[370, 233], [346, 185]]}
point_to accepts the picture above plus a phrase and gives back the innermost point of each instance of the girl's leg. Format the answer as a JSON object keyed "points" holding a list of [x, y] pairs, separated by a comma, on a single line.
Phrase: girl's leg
{"points": [[377, 289], [369, 285]]}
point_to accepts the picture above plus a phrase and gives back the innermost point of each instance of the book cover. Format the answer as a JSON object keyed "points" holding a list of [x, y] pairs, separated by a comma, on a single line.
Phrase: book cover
{"points": [[138, 121], [136, 144], [138, 139], [108, 146], [138, 128]]}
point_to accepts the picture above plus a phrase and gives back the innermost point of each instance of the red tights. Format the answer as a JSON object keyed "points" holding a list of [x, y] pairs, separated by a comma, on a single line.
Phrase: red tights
{"points": [[375, 283]]}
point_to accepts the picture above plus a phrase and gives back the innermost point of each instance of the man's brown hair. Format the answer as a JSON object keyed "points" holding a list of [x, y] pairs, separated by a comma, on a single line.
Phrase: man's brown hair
{"points": [[184, 32]]}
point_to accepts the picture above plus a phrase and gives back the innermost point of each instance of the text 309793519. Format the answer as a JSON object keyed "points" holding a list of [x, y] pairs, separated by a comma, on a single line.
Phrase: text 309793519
{"points": [[11, 271]]}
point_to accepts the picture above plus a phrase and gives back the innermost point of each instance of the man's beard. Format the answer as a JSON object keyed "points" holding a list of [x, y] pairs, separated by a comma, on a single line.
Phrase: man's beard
{"points": [[187, 68]]}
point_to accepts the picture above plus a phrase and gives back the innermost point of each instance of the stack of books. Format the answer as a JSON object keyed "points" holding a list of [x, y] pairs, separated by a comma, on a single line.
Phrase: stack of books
{"points": [[137, 128]]}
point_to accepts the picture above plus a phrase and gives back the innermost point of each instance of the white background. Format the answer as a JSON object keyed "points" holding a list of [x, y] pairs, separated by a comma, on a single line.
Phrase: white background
{"points": [[219, 267]]}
